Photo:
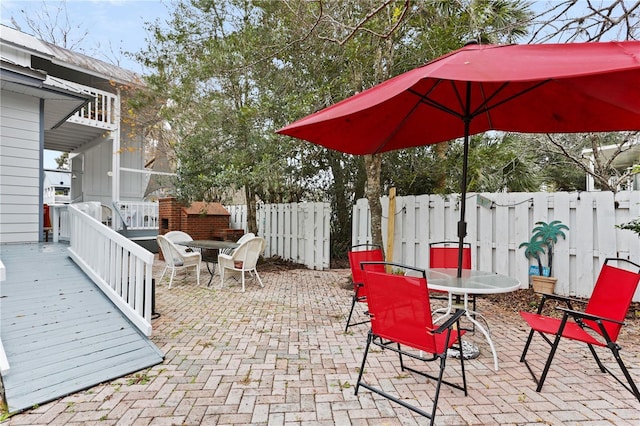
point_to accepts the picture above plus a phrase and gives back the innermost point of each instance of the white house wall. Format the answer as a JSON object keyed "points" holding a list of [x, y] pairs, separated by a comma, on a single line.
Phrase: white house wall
{"points": [[96, 183], [98, 163], [132, 184], [20, 189]]}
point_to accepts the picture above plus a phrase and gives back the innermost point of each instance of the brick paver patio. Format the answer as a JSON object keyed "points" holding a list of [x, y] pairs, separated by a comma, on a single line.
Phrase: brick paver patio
{"points": [[279, 355]]}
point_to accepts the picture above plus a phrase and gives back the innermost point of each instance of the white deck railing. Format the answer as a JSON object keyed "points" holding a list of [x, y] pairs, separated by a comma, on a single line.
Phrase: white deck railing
{"points": [[121, 268], [136, 215], [61, 227]]}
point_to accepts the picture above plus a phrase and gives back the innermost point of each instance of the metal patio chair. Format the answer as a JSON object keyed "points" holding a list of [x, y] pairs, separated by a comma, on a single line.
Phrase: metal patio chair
{"points": [[401, 321], [357, 254], [598, 325]]}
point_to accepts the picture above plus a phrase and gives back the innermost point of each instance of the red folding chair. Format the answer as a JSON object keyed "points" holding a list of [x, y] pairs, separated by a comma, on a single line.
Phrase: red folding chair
{"points": [[598, 325], [361, 253], [444, 254], [400, 312]]}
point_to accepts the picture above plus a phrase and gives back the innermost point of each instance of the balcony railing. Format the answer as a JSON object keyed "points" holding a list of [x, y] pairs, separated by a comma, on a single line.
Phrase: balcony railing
{"points": [[102, 111]]}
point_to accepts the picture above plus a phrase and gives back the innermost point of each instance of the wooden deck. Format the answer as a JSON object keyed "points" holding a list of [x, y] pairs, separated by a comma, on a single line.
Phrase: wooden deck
{"points": [[60, 333]]}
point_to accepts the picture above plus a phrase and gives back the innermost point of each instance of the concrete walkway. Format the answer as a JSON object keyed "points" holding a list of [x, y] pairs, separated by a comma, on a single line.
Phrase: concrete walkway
{"points": [[278, 355]]}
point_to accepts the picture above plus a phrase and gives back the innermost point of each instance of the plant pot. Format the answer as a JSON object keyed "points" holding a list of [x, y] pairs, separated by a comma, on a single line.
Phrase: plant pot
{"points": [[543, 284]]}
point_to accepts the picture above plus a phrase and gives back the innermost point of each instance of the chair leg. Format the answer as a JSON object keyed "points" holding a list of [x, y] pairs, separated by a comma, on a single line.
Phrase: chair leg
{"points": [[400, 357], [162, 275], [364, 360], [632, 386], [243, 281], [258, 277], [198, 274], [353, 305], [526, 346], [173, 273], [543, 376], [443, 360], [616, 354]]}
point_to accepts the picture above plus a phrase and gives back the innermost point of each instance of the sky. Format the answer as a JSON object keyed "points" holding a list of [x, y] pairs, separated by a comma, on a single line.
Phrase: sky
{"points": [[112, 25]]}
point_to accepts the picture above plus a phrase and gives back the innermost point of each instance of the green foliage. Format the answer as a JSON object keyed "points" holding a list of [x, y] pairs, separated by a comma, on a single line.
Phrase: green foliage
{"points": [[233, 72], [633, 226], [545, 236], [62, 162]]}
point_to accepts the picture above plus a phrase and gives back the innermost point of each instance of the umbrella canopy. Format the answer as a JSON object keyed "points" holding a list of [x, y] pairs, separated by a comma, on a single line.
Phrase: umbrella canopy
{"points": [[544, 88]]}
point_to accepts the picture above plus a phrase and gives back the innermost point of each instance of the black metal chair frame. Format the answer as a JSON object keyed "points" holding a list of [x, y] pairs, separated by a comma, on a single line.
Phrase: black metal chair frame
{"points": [[579, 317], [452, 323], [357, 296]]}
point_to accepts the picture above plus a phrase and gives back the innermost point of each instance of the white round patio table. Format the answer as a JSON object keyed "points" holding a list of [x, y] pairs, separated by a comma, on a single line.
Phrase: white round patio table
{"points": [[471, 282]]}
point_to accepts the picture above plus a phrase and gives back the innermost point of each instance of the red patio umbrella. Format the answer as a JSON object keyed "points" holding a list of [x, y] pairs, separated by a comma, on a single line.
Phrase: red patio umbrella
{"points": [[543, 88]]}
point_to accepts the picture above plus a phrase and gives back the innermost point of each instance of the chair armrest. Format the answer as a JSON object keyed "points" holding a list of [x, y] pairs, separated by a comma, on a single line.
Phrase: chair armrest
{"points": [[450, 322], [567, 300], [584, 315]]}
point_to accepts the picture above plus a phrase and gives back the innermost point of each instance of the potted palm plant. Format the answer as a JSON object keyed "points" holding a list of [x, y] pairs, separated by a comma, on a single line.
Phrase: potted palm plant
{"points": [[544, 237]]}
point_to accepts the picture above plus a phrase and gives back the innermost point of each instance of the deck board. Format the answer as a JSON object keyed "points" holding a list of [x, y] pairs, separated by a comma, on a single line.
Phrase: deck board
{"points": [[61, 334]]}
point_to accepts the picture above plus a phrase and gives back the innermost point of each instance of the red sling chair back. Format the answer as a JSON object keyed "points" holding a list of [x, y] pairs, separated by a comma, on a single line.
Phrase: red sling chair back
{"points": [[444, 254], [358, 254], [598, 325]]}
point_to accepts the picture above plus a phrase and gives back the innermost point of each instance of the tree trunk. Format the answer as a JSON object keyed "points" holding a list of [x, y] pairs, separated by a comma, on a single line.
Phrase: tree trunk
{"points": [[252, 225], [373, 164], [340, 207]]}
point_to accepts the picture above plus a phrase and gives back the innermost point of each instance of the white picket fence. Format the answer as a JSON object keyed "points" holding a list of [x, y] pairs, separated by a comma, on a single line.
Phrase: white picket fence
{"points": [[497, 227], [299, 232]]}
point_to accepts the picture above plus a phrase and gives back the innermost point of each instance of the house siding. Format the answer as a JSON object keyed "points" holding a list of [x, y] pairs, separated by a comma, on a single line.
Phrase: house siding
{"points": [[20, 188], [132, 185], [98, 161]]}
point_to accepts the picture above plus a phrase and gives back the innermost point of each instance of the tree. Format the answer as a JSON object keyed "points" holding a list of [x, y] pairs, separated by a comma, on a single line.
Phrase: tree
{"points": [[53, 25], [224, 100], [567, 21], [235, 71], [62, 162], [605, 150], [394, 32]]}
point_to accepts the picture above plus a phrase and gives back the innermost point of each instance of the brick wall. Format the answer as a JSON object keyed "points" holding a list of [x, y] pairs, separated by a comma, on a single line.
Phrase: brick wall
{"points": [[203, 221], [204, 227], [169, 215]]}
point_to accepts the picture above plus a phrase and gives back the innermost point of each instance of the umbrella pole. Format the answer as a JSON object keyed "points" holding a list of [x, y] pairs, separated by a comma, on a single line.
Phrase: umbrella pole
{"points": [[462, 224]]}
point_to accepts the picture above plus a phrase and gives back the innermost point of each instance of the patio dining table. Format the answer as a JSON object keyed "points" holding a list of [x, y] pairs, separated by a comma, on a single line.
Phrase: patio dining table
{"points": [[471, 282], [209, 250]]}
